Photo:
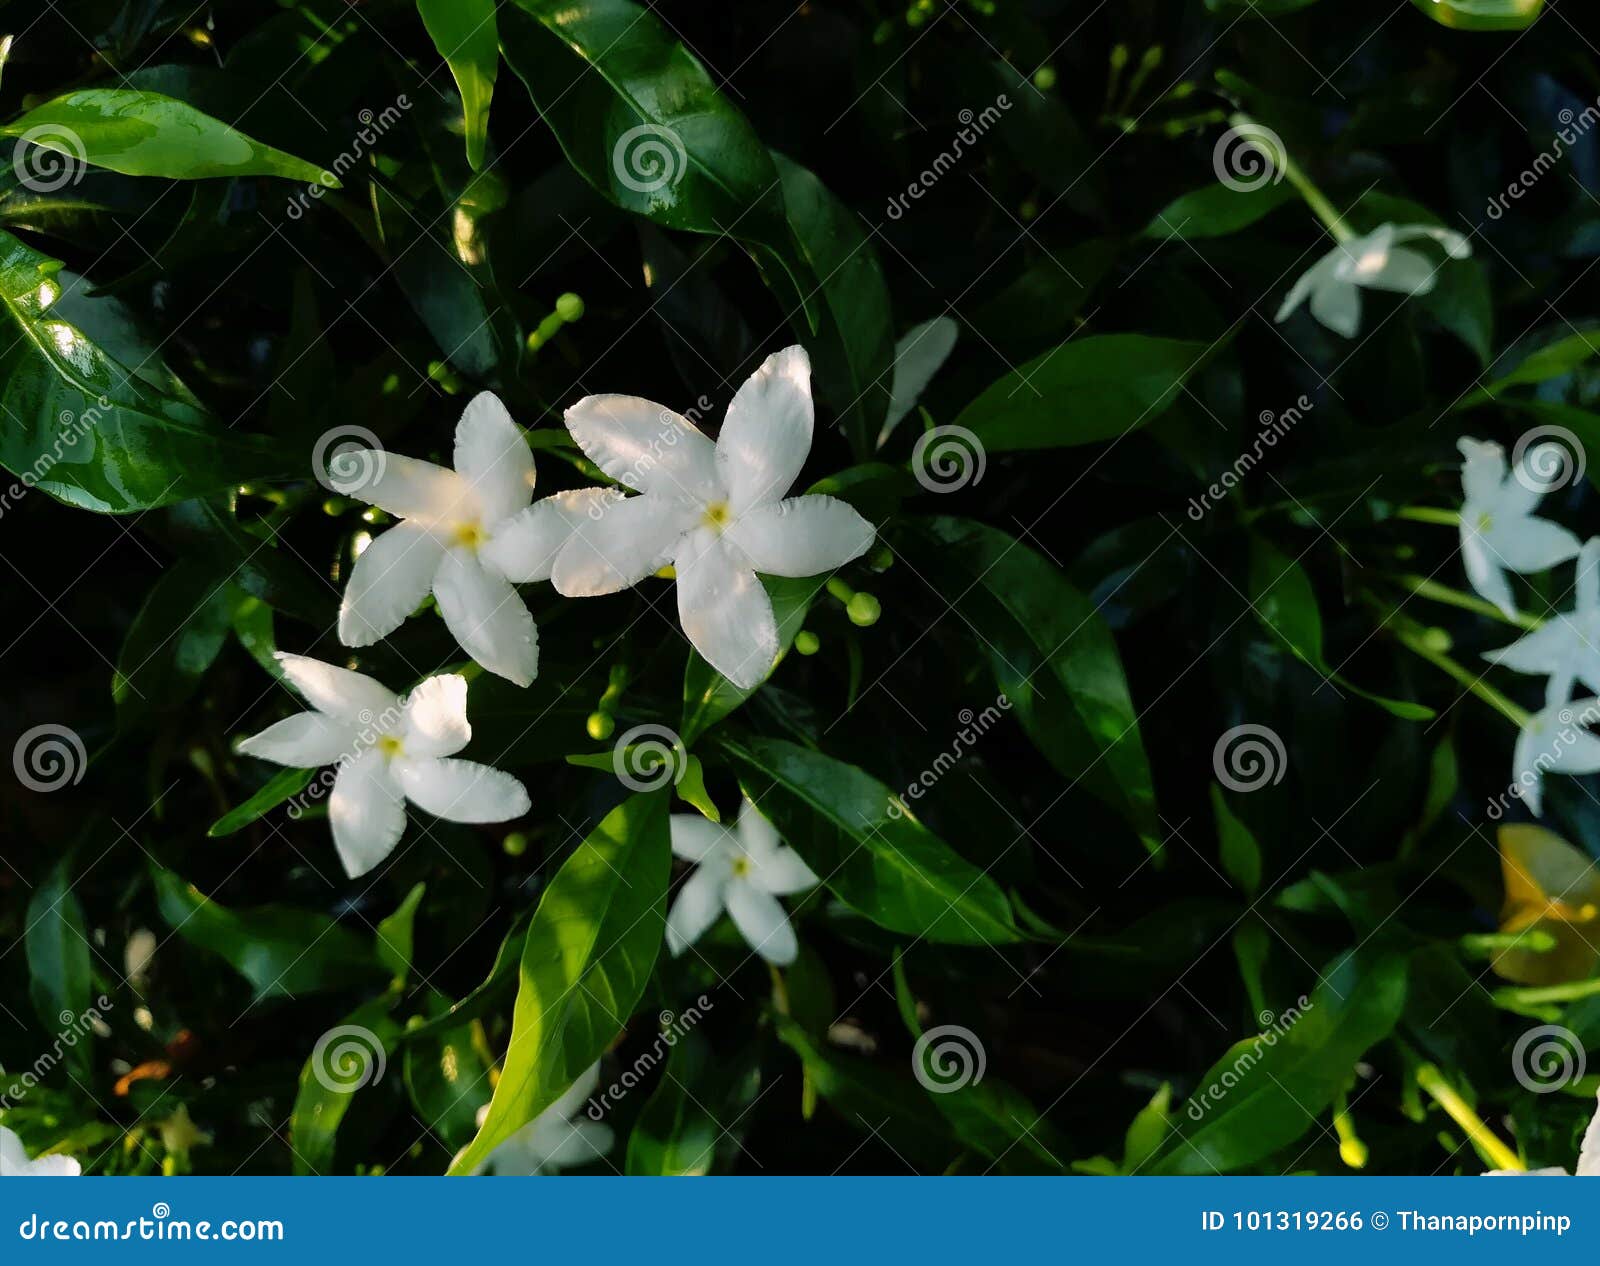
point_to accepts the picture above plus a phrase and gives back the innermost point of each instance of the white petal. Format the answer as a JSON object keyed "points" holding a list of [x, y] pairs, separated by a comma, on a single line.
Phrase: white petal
{"points": [[575, 1095], [762, 921], [1483, 573], [434, 722], [803, 536], [1554, 741], [1530, 544], [646, 447], [461, 790], [575, 1143], [308, 740], [1483, 470], [620, 546], [1541, 650], [1308, 281], [757, 836], [695, 839], [1337, 304], [767, 433], [410, 489], [13, 1157], [726, 614], [523, 548], [917, 358], [492, 456], [1586, 583], [1455, 245], [695, 909], [1406, 271], [366, 812], [388, 582], [340, 693], [1589, 1154], [485, 614], [782, 873]]}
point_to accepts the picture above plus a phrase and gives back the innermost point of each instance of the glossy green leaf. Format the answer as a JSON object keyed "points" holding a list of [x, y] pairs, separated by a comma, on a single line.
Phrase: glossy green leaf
{"points": [[590, 948], [1554, 360], [676, 1134], [1240, 854], [447, 1079], [498, 985], [868, 848], [1217, 210], [1147, 1131], [283, 785], [918, 355], [174, 639], [344, 1061], [395, 936], [1482, 15], [57, 944], [465, 34]]}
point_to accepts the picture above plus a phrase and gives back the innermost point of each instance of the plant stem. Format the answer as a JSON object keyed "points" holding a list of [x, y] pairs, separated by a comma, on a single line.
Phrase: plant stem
{"points": [[1483, 1138], [1414, 641], [1538, 995], [1425, 588], [1313, 196], [1429, 514]]}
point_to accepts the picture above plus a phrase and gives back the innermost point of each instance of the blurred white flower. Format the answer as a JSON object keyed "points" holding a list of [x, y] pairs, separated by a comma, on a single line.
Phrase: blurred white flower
{"points": [[388, 751], [1499, 532], [14, 1162], [716, 512], [1588, 1159], [1566, 648], [1555, 742], [558, 1138], [743, 871], [467, 534], [1375, 261]]}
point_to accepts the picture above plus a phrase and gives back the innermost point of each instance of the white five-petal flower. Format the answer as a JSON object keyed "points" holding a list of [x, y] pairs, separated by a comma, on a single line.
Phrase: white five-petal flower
{"points": [[14, 1162], [558, 1138], [715, 511], [743, 871], [1555, 742], [1499, 532], [1566, 648], [1376, 261], [388, 751], [467, 534], [1588, 1159]]}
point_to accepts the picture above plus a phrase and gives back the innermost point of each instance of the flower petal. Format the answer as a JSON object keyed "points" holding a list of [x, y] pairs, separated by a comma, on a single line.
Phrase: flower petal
{"points": [[1406, 271], [434, 721], [621, 545], [307, 740], [389, 581], [758, 838], [1529, 544], [576, 1143], [1554, 741], [696, 908], [1586, 581], [523, 548], [55, 1166], [488, 618], [1589, 1154], [1483, 470], [410, 489], [1455, 244], [761, 919], [767, 434], [340, 693], [575, 1095], [1308, 281], [461, 790], [1541, 650], [695, 839], [725, 612], [366, 812], [1484, 573], [782, 873], [13, 1157], [803, 536], [646, 447], [492, 456], [1337, 304]]}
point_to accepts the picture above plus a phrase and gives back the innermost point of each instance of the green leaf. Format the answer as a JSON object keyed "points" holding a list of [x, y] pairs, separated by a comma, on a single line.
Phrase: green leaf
{"points": [[1482, 15], [209, 527], [590, 949], [1147, 1131], [676, 1134], [283, 785], [57, 942], [1083, 391], [346, 1059], [918, 356], [464, 32], [148, 134], [88, 431], [1267, 1091], [281, 950], [499, 982], [174, 639], [1216, 211], [396, 935], [872, 854], [1257, 8], [1054, 661], [1553, 360], [1241, 855], [447, 1079]]}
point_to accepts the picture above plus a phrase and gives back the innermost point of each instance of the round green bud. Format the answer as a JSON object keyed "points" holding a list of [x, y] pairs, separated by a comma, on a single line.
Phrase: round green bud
{"points": [[1028, 209], [600, 726], [882, 559], [569, 307], [515, 844], [863, 610], [915, 18], [807, 642], [1437, 640], [414, 1022], [1044, 78]]}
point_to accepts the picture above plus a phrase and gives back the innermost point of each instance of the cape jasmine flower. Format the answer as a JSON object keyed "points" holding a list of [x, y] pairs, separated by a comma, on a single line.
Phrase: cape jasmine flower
{"points": [[1588, 1159], [558, 1138], [467, 535], [14, 1162], [1498, 530], [716, 512], [1554, 741], [1376, 261], [743, 871], [388, 751], [1566, 648]]}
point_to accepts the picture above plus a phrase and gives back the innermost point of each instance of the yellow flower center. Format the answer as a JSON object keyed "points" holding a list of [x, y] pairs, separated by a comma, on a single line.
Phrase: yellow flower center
{"points": [[469, 536], [717, 516], [1485, 521], [741, 867], [391, 746]]}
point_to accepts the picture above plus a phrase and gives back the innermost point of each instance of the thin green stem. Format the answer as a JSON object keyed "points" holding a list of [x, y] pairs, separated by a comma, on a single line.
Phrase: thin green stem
{"points": [[1414, 639], [1314, 197], [1539, 995], [1488, 1143], [1432, 589], [1429, 514]]}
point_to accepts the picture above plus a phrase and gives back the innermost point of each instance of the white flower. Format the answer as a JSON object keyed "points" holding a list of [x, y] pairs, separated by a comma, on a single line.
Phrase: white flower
{"points": [[1375, 261], [1498, 530], [1566, 647], [714, 511], [388, 751], [467, 534], [558, 1138], [1588, 1159], [744, 872], [14, 1162], [1555, 742]]}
